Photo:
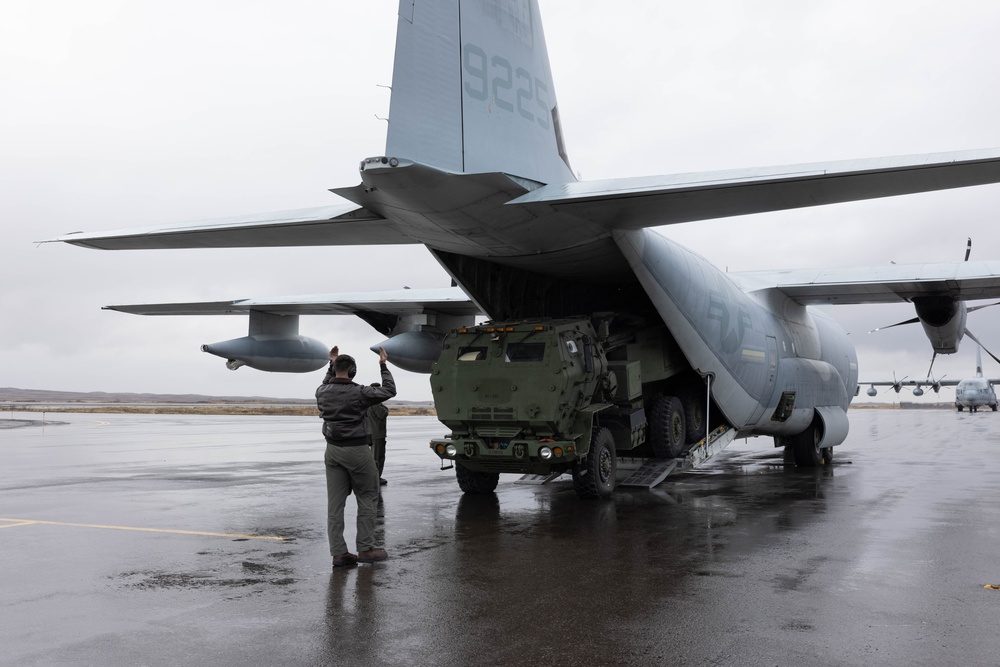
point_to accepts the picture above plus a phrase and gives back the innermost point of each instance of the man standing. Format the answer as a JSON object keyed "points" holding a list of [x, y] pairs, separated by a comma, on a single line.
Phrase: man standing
{"points": [[376, 418], [350, 465]]}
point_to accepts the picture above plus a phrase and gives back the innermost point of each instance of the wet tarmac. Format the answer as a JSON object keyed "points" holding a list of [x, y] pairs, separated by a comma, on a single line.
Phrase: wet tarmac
{"points": [[161, 540]]}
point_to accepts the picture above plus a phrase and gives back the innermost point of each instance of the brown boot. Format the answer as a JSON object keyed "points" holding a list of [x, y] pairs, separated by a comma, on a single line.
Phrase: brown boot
{"points": [[372, 555], [345, 559]]}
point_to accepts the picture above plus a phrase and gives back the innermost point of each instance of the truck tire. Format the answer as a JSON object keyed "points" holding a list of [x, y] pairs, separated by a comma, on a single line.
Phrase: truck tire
{"points": [[595, 477], [666, 427], [475, 482], [694, 415]]}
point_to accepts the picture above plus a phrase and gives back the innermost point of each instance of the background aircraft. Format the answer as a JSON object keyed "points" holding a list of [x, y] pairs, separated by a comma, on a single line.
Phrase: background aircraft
{"points": [[477, 172], [972, 393]]}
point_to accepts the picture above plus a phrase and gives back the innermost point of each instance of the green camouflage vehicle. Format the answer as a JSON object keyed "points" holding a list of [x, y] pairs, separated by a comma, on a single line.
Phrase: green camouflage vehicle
{"points": [[562, 395]]}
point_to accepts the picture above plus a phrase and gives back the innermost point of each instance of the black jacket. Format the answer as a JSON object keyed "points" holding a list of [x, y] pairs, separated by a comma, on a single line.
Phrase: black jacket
{"points": [[342, 405]]}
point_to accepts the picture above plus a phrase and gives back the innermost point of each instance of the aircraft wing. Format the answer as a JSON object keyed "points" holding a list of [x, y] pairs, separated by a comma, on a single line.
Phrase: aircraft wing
{"points": [[880, 284], [447, 300], [632, 203], [910, 383], [342, 224]]}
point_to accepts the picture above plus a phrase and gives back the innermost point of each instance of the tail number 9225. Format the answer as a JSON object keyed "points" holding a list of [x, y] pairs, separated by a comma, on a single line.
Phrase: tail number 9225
{"points": [[510, 88]]}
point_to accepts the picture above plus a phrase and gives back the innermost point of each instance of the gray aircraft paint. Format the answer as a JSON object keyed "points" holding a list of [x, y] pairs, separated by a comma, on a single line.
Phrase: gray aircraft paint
{"points": [[476, 171], [726, 334], [500, 116]]}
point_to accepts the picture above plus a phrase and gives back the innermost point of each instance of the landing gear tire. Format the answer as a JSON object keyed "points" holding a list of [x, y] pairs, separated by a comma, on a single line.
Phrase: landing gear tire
{"points": [[666, 427], [694, 415], [806, 450], [958, 407], [479, 483], [595, 477]]}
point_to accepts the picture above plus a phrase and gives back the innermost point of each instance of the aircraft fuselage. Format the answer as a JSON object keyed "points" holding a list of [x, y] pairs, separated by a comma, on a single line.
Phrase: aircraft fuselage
{"points": [[760, 350]]}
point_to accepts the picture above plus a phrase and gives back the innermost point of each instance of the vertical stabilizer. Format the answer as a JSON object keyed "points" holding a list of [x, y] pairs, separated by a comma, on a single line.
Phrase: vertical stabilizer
{"points": [[472, 90], [979, 361]]}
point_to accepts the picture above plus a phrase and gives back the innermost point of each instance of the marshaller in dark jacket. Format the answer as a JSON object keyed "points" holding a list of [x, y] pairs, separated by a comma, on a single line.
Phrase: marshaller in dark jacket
{"points": [[350, 465]]}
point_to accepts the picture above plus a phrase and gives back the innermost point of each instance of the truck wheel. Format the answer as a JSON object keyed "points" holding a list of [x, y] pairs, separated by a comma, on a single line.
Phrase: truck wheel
{"points": [[475, 482], [694, 415], [595, 477], [666, 427]]}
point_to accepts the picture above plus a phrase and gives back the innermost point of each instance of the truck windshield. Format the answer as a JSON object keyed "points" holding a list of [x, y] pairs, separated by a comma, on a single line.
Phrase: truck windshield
{"points": [[525, 352]]}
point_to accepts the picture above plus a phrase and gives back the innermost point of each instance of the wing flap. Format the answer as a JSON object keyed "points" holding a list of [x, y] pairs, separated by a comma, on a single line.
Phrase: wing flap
{"points": [[633, 203], [447, 300], [343, 224]]}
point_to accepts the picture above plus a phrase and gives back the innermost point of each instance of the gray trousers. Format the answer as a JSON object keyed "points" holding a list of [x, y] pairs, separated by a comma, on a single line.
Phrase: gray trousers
{"points": [[350, 469], [378, 451]]}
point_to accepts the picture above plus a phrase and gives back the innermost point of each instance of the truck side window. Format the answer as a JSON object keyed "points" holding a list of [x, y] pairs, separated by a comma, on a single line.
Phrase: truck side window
{"points": [[471, 353], [525, 352]]}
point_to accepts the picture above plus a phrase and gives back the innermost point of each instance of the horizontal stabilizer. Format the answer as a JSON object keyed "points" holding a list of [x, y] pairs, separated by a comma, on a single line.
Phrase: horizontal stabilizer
{"points": [[342, 224], [634, 203]]}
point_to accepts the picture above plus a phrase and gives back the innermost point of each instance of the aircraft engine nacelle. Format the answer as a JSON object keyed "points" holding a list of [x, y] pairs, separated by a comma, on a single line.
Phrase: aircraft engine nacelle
{"points": [[943, 319], [293, 354], [414, 351]]}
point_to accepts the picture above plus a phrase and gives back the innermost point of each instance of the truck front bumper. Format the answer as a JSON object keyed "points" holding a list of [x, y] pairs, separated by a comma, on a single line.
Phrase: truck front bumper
{"points": [[526, 456]]}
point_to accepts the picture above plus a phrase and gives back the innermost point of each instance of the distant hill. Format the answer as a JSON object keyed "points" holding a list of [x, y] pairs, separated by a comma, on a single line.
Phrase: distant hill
{"points": [[14, 395]]}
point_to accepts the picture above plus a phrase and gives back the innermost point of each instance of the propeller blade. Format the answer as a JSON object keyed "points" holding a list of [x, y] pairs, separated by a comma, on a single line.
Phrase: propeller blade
{"points": [[985, 305], [932, 365], [969, 334], [968, 249], [897, 324]]}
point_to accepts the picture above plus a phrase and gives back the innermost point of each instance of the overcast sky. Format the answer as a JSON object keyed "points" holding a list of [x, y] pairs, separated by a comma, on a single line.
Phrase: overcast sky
{"points": [[130, 113]]}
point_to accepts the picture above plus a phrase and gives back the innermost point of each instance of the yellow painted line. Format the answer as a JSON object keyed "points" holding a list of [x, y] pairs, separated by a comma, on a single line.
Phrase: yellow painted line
{"points": [[15, 525], [28, 522]]}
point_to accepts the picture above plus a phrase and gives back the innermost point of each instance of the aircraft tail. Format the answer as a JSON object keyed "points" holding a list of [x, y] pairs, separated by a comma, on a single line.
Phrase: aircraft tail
{"points": [[472, 90], [979, 361]]}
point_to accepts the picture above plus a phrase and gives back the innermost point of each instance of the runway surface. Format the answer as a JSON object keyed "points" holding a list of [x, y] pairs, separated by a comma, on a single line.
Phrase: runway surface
{"points": [[161, 540]]}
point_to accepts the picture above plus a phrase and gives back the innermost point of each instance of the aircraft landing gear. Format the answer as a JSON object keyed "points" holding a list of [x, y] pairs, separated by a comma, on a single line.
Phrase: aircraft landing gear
{"points": [[805, 448]]}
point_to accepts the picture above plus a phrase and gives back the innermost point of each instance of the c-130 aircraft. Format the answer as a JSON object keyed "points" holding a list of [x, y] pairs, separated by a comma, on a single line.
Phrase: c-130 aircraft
{"points": [[647, 348]]}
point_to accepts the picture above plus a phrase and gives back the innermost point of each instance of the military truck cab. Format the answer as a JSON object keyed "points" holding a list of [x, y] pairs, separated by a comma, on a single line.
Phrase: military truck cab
{"points": [[555, 395]]}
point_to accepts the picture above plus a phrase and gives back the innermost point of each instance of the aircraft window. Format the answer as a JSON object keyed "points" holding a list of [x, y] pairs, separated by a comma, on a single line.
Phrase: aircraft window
{"points": [[525, 351], [472, 354]]}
